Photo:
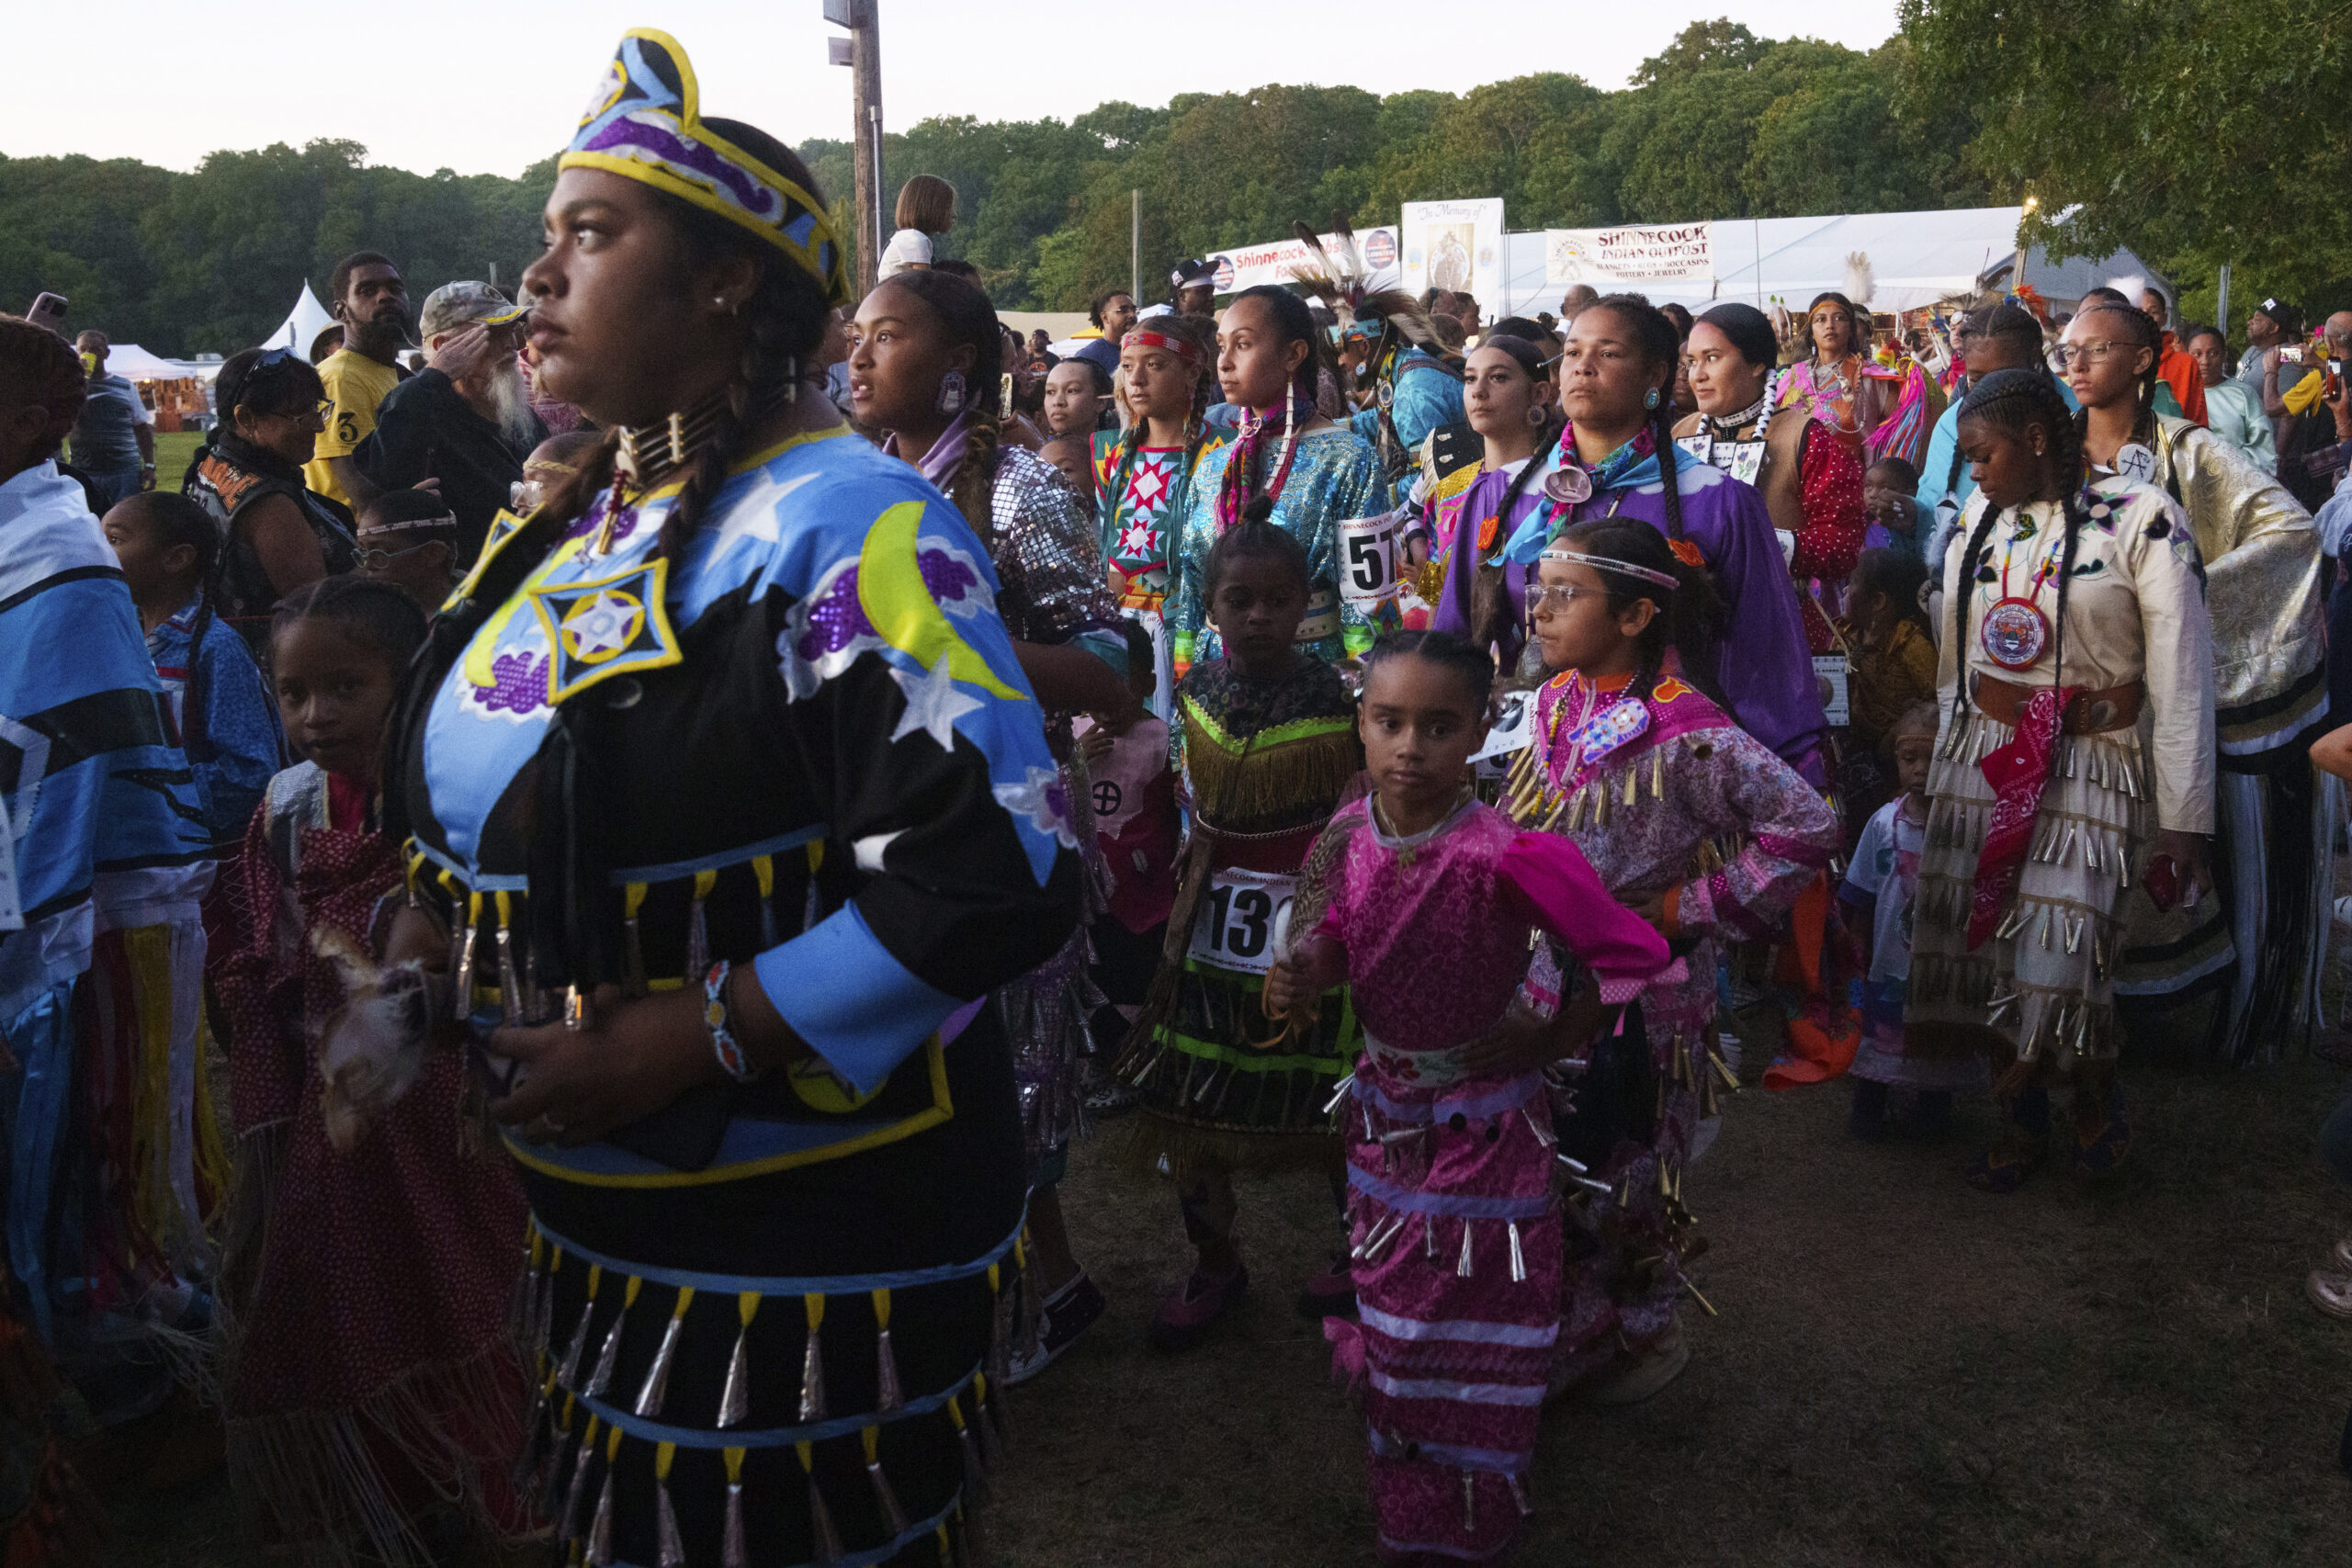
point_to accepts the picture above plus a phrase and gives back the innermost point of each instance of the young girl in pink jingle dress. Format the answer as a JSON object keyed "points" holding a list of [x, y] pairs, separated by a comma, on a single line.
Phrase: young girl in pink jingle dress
{"points": [[1695, 822], [1427, 904]]}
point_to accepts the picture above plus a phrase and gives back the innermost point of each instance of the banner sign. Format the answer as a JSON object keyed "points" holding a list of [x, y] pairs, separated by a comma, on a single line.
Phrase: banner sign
{"points": [[1630, 255], [1283, 261], [1455, 245]]}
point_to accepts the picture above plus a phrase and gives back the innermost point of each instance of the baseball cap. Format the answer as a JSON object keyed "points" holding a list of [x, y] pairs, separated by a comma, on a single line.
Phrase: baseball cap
{"points": [[1192, 274], [456, 305]]}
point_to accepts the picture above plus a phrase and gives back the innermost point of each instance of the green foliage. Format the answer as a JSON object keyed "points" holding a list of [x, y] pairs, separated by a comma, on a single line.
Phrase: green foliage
{"points": [[2197, 133], [1720, 124]]}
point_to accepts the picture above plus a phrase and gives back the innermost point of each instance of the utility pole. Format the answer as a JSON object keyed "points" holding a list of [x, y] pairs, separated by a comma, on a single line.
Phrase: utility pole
{"points": [[1134, 248], [862, 52]]}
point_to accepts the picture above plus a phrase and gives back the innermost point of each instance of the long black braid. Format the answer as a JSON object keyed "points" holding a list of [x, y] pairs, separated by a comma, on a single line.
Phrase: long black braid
{"points": [[2017, 401], [1661, 347], [1490, 610], [178, 520]]}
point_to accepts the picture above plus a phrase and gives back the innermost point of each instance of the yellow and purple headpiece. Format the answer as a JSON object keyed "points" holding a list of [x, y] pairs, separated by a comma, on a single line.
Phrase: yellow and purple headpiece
{"points": [[645, 123]]}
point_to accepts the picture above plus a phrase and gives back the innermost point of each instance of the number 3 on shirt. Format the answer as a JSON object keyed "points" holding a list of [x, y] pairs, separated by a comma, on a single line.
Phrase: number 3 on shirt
{"points": [[1242, 920]]}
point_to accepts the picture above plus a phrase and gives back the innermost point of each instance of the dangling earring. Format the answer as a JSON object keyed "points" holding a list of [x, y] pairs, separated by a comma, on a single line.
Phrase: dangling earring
{"points": [[951, 393], [1649, 399]]}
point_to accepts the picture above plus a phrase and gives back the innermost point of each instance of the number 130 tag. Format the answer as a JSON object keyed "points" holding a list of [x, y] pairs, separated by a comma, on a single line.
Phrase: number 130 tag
{"points": [[1243, 918]]}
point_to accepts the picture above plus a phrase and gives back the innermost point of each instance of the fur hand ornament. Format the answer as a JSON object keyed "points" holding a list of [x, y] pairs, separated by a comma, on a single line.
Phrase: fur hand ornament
{"points": [[371, 1050]]}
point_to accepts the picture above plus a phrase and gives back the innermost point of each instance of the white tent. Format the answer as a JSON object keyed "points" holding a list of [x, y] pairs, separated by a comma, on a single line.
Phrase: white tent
{"points": [[305, 322], [134, 363]]}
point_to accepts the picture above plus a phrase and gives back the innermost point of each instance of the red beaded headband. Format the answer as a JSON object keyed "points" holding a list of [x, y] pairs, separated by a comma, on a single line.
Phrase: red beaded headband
{"points": [[1144, 337]]}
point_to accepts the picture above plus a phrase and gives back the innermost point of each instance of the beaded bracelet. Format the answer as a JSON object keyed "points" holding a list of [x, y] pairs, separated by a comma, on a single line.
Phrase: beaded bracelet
{"points": [[722, 1039]]}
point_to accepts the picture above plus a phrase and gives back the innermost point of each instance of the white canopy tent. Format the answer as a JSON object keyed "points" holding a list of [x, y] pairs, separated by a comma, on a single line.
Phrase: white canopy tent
{"points": [[302, 323], [134, 363]]}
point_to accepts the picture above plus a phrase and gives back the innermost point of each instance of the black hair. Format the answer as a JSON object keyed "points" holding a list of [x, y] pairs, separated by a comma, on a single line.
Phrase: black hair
{"points": [[2102, 292], [41, 368], [1101, 376], [1442, 649], [1661, 347], [1258, 537], [1525, 353], [1680, 315], [2195, 333], [1907, 477], [1687, 613], [1749, 329], [1857, 323], [2017, 401], [2140, 329], [1094, 308], [405, 506], [339, 280], [1294, 323], [266, 380], [966, 316], [1899, 575], [374, 612], [956, 266], [178, 520]]}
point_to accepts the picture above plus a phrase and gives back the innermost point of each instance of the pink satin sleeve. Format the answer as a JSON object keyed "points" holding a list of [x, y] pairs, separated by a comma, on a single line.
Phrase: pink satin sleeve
{"points": [[1550, 883]]}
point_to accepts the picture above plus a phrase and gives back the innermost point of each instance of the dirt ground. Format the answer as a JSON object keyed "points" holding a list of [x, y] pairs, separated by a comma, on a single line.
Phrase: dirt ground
{"points": [[1905, 1372]]}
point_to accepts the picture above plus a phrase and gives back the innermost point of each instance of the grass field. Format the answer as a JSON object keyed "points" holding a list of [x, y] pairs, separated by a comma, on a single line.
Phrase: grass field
{"points": [[174, 450], [1906, 1374]]}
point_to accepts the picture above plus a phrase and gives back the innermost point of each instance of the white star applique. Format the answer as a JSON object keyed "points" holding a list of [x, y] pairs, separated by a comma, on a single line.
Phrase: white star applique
{"points": [[933, 705], [752, 514], [608, 621]]}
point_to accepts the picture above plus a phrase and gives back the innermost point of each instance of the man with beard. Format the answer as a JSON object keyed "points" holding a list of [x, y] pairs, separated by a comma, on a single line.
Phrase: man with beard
{"points": [[465, 419], [365, 295]]}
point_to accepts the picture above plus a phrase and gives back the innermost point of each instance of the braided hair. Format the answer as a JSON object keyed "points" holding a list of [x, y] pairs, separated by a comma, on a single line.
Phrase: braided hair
{"points": [[177, 521], [2017, 401], [966, 316], [374, 611], [2139, 328], [1490, 610], [1661, 348], [1442, 649], [1687, 613], [1260, 537], [39, 367]]}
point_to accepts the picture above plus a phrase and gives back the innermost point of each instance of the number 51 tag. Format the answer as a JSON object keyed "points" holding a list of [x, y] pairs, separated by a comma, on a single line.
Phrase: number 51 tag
{"points": [[1368, 561], [1244, 917]]}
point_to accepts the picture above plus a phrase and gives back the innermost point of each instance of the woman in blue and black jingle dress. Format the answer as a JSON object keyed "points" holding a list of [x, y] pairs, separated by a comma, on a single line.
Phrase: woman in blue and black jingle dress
{"points": [[723, 774]]}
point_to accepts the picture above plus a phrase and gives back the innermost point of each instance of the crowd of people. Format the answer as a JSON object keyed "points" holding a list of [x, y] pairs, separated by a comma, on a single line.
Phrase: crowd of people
{"points": [[566, 903]]}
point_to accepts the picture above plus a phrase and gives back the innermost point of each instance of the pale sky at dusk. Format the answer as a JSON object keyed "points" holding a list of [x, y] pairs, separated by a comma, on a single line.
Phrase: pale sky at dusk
{"points": [[489, 89]]}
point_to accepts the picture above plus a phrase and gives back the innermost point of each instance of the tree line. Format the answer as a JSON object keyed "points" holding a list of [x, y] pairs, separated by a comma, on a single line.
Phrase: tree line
{"points": [[1949, 112]]}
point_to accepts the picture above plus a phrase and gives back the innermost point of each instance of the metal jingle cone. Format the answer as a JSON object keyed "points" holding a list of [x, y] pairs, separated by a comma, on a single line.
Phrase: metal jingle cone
{"points": [[1518, 1497], [1462, 1268], [656, 1386], [824, 1536], [568, 1523], [553, 1491], [894, 1518], [991, 1440], [602, 1378], [735, 1398], [730, 1546], [462, 990], [1469, 1502], [698, 945], [510, 984], [670, 1546], [887, 1394], [526, 1462], [568, 1372], [975, 1479], [812, 1379], [1518, 1262], [600, 1532]]}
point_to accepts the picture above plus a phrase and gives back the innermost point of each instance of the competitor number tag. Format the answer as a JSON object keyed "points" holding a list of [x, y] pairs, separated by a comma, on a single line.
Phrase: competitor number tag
{"points": [[1244, 916]]}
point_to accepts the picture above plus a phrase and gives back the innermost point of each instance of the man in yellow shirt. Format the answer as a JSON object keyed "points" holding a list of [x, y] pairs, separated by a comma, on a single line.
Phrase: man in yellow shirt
{"points": [[365, 295]]}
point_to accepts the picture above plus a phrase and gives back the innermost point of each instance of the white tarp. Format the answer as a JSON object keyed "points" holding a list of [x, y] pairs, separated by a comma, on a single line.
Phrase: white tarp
{"points": [[302, 323], [1282, 261], [1454, 245]]}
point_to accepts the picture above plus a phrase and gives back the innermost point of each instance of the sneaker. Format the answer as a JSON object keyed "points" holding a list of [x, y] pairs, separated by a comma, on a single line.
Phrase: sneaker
{"points": [[1186, 1316], [2332, 1294], [1331, 1293], [1112, 1098], [1067, 1314], [1647, 1377]]}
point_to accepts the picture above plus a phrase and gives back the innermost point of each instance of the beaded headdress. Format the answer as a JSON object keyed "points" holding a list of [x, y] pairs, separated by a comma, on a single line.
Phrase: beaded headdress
{"points": [[645, 123]]}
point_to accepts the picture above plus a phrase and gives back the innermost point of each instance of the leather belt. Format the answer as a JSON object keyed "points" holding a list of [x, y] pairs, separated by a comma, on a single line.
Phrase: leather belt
{"points": [[2090, 713]]}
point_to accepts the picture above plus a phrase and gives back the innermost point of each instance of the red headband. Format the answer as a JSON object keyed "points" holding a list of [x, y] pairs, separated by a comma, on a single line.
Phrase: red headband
{"points": [[1144, 337]]}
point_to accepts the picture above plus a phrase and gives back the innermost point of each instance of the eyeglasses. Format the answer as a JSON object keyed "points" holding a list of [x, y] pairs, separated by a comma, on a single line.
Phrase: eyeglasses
{"points": [[1554, 597], [380, 560], [2073, 354]]}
